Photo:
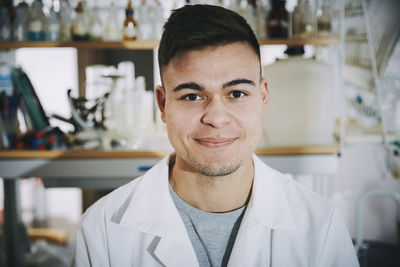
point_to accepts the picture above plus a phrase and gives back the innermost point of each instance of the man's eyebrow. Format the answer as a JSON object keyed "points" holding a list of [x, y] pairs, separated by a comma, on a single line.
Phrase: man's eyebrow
{"points": [[191, 85], [238, 81]]}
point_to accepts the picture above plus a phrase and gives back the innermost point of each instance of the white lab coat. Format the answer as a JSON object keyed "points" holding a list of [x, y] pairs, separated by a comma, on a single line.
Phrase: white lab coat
{"points": [[284, 225]]}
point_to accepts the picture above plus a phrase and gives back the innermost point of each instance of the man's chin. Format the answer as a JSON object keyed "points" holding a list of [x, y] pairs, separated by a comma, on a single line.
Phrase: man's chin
{"points": [[214, 169]]}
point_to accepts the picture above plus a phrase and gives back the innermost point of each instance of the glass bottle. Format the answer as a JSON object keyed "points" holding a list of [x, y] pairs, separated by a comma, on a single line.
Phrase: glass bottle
{"points": [[303, 25], [5, 25], [96, 28], [277, 20], [158, 21], [80, 24], [145, 24], [262, 9], [251, 14], [65, 21], [324, 18], [18, 26], [236, 6], [36, 23], [130, 25], [53, 25], [112, 27]]}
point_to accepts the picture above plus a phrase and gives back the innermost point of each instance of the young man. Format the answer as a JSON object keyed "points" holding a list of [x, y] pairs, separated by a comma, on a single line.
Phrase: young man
{"points": [[212, 202]]}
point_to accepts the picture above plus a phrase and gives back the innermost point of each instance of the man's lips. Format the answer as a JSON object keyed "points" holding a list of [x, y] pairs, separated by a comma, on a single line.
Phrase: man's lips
{"points": [[215, 142]]}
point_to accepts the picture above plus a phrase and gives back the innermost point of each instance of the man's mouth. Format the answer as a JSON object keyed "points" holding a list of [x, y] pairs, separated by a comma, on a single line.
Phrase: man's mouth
{"points": [[215, 142]]}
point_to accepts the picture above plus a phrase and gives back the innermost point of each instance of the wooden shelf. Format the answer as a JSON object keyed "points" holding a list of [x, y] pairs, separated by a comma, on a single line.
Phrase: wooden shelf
{"points": [[65, 154], [301, 41], [299, 150], [148, 45], [128, 45]]}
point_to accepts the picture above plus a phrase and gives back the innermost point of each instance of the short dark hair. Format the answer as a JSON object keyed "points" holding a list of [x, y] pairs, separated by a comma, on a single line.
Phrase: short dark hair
{"points": [[195, 27]]}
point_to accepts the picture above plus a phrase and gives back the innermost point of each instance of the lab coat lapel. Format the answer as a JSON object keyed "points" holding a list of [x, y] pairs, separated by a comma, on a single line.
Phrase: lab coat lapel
{"points": [[268, 210], [151, 210]]}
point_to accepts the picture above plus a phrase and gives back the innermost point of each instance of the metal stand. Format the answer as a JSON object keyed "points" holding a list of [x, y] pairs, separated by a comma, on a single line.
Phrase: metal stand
{"points": [[14, 232]]}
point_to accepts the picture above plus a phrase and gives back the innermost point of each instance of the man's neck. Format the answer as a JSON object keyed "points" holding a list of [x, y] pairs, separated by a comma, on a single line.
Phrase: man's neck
{"points": [[212, 194]]}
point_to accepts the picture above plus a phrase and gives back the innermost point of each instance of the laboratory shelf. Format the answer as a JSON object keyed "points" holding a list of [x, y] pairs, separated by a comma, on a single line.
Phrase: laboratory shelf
{"points": [[319, 41], [99, 154], [126, 45], [108, 169], [149, 45]]}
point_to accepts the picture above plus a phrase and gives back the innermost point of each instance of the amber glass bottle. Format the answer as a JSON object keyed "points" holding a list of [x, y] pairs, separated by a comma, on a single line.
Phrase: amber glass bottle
{"points": [[277, 20], [130, 25]]}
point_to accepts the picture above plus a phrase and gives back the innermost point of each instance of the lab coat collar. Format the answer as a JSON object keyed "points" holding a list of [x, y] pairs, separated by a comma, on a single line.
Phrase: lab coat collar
{"points": [[151, 208], [268, 204]]}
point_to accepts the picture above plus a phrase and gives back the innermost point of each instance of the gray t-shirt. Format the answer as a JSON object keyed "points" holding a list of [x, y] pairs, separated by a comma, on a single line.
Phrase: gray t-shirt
{"points": [[212, 234]]}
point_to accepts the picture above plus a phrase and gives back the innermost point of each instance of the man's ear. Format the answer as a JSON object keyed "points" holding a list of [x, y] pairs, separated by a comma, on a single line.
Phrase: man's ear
{"points": [[161, 97], [264, 93]]}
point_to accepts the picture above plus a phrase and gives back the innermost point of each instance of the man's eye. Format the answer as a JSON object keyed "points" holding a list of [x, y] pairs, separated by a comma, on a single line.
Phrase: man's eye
{"points": [[191, 97], [237, 94]]}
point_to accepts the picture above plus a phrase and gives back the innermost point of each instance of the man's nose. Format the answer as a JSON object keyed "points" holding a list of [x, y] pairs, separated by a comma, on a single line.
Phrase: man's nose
{"points": [[216, 114]]}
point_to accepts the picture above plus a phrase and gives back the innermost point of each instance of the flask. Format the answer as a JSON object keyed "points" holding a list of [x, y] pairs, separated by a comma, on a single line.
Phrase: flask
{"points": [[277, 20], [65, 21], [324, 18], [80, 24], [53, 25], [36, 22], [303, 18], [130, 25], [5, 25]]}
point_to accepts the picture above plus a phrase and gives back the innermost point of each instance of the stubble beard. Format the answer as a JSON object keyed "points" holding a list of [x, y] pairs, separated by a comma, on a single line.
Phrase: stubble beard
{"points": [[213, 170]]}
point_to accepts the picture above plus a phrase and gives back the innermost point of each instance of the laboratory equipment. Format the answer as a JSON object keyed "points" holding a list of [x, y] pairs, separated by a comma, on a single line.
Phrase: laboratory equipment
{"points": [[96, 27], [301, 95], [278, 20], [19, 28], [130, 24], [65, 20], [37, 21], [80, 25], [112, 27], [5, 25], [53, 25], [303, 20]]}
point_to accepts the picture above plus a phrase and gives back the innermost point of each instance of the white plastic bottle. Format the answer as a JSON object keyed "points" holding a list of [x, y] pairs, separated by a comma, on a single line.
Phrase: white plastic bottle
{"points": [[301, 104]]}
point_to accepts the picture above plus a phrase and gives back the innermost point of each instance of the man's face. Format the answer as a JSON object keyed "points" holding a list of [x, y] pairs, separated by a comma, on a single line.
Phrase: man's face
{"points": [[213, 102]]}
